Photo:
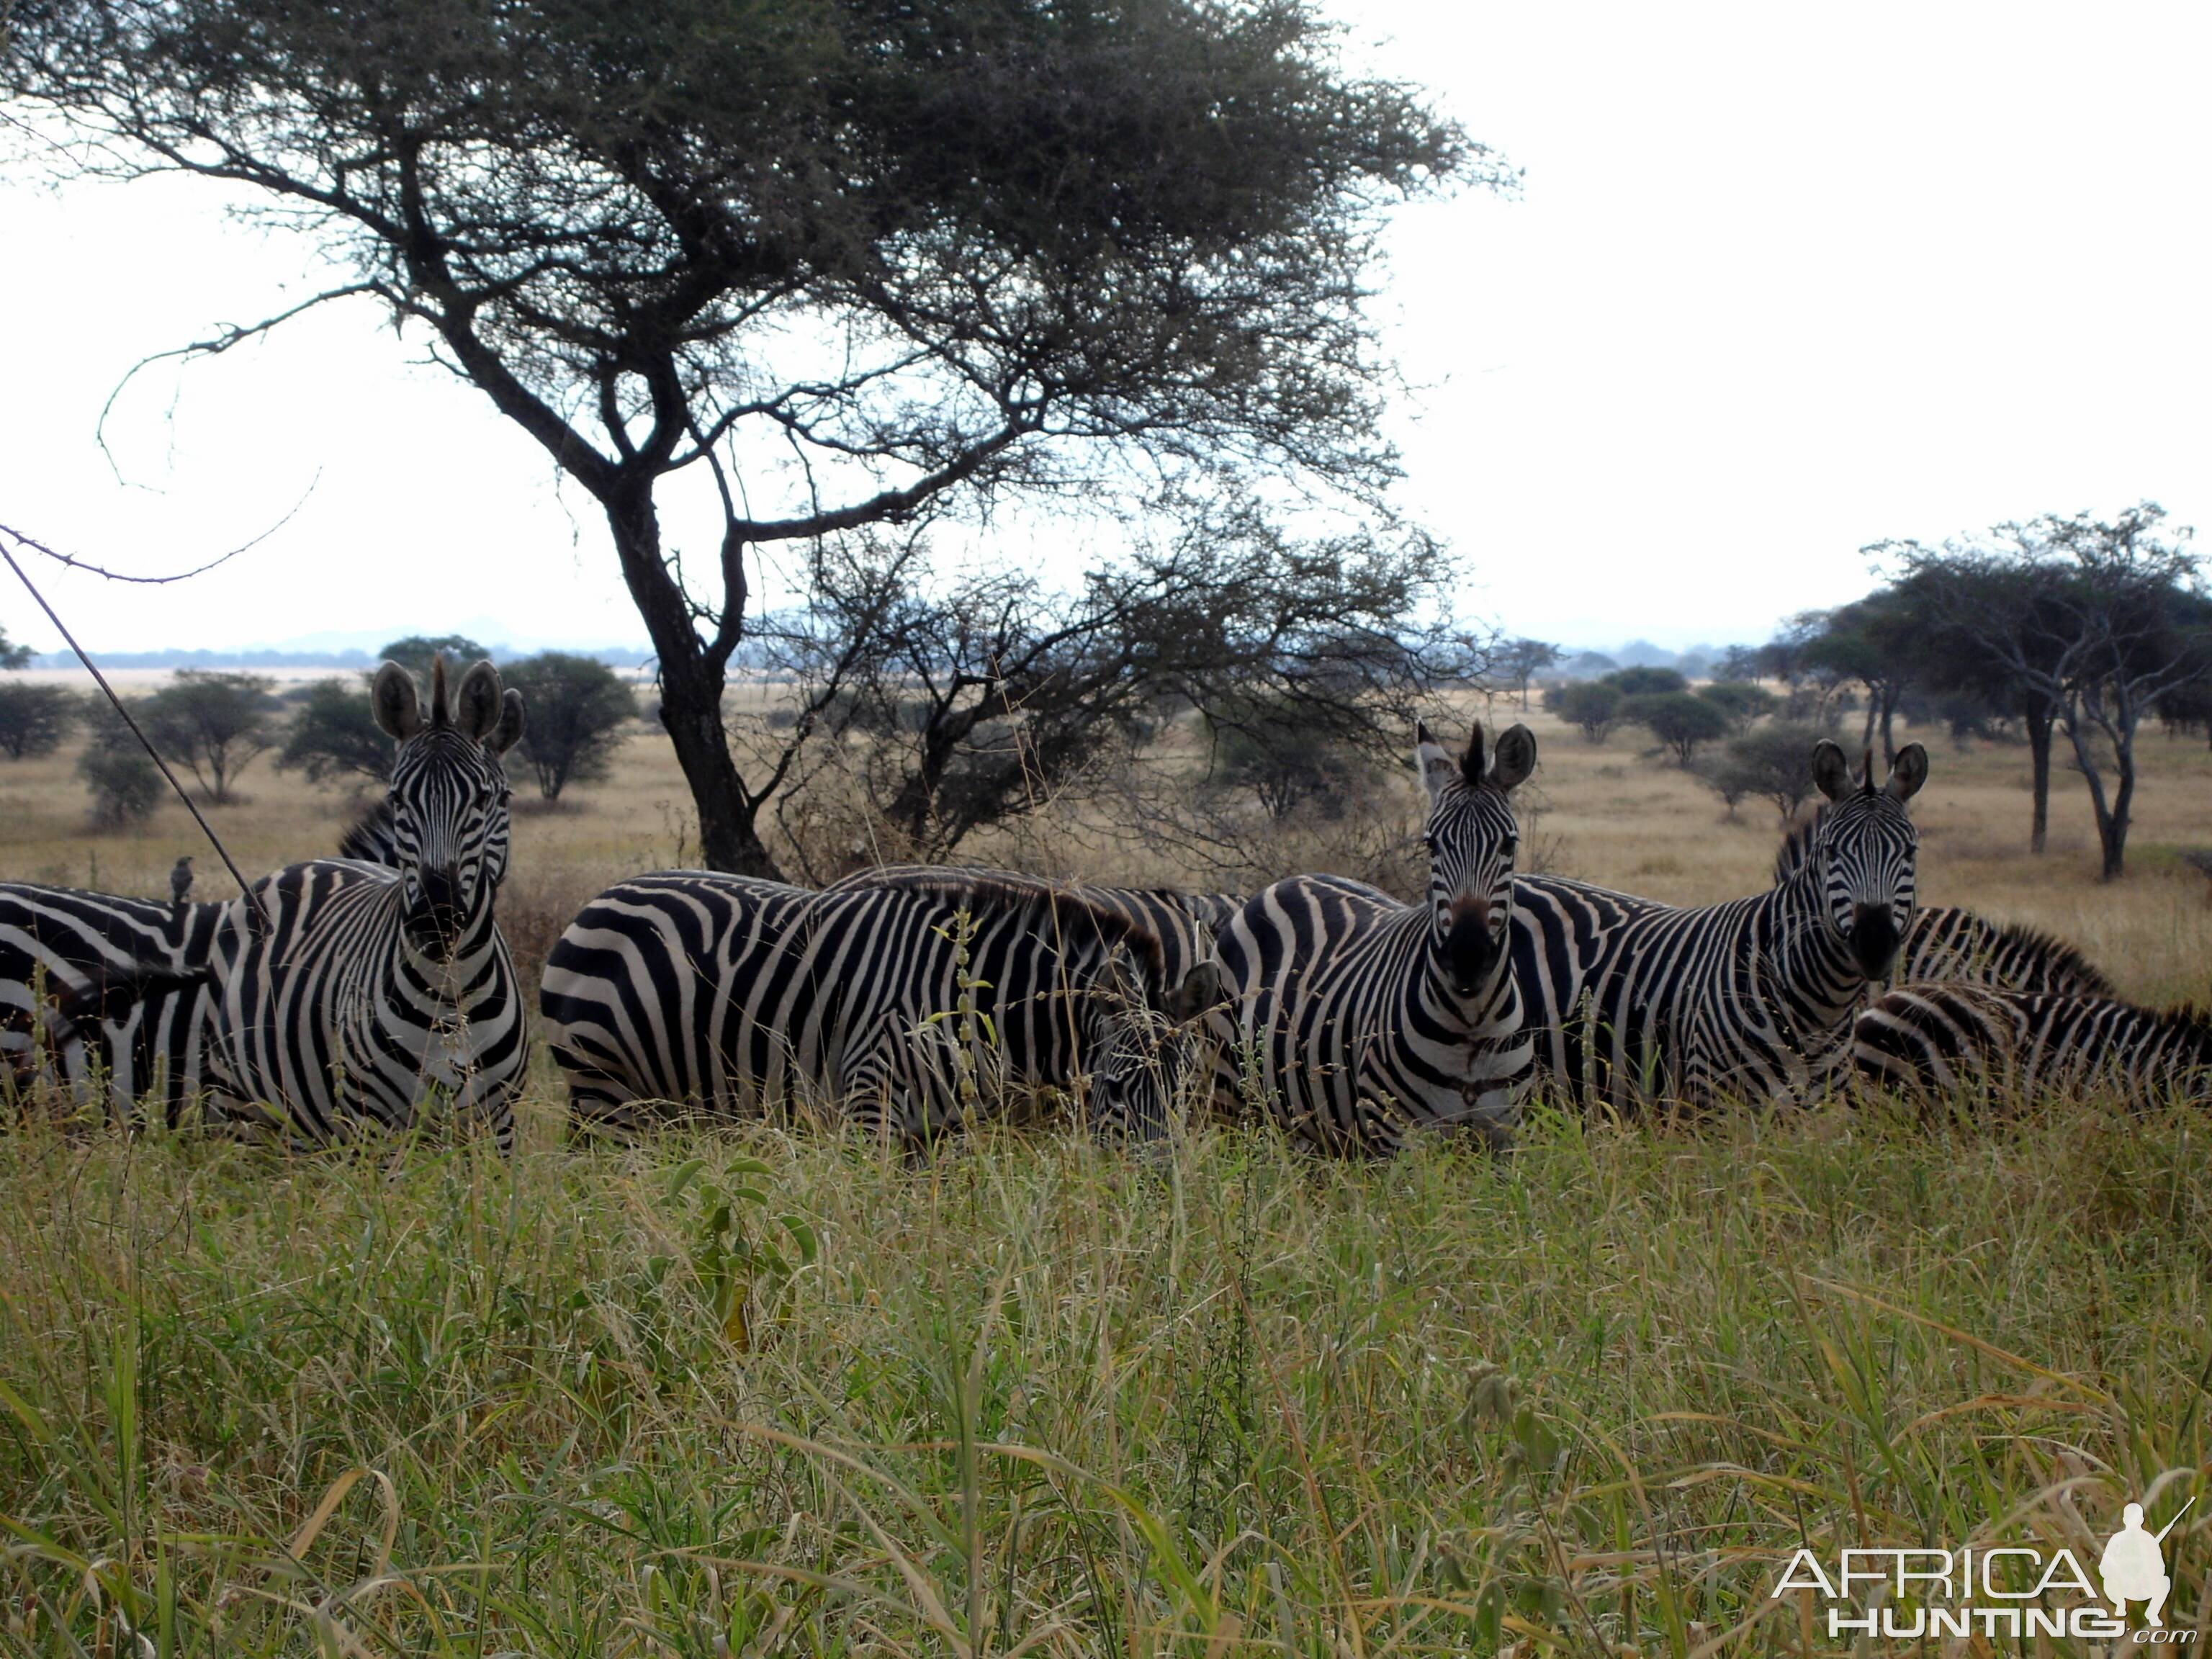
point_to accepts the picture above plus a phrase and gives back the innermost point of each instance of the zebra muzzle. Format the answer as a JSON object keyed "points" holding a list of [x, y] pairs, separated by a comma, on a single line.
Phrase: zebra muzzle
{"points": [[1874, 938], [1470, 954]]}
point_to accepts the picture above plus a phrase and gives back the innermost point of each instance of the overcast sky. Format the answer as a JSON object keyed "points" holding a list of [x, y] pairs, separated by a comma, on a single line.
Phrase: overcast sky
{"points": [[1778, 282]]}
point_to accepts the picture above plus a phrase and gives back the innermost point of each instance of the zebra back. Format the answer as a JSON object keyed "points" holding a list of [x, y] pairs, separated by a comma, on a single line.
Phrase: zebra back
{"points": [[1981, 1044], [907, 999]]}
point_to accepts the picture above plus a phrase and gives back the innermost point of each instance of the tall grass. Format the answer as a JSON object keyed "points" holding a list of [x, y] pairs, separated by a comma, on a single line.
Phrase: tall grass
{"points": [[1037, 1398]]}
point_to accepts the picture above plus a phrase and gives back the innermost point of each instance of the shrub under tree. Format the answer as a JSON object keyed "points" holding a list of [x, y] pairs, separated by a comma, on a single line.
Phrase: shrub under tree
{"points": [[33, 718], [1593, 705], [1742, 702], [1266, 745], [1773, 762], [213, 724], [333, 734], [574, 711]]}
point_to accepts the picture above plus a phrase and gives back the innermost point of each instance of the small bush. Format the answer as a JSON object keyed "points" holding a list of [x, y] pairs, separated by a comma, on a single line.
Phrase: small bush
{"points": [[1741, 701], [1646, 682], [334, 734], [1593, 705], [574, 710], [1771, 763], [125, 784], [1679, 720]]}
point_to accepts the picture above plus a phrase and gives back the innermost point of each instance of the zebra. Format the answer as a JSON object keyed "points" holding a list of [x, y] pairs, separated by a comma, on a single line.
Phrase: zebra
{"points": [[902, 998], [1949, 942], [355, 992], [101, 993], [1359, 1018], [1753, 998], [1974, 1041]]}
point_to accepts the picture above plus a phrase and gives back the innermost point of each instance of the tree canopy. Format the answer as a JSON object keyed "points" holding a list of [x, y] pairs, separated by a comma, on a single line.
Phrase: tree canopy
{"points": [[850, 261]]}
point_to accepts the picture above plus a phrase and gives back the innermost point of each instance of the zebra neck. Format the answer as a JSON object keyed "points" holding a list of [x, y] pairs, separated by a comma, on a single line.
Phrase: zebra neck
{"points": [[1805, 960], [1494, 1011], [453, 965]]}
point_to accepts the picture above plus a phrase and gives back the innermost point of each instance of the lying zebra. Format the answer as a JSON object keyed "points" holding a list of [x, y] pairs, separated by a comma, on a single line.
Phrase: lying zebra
{"points": [[1749, 999], [1976, 1044], [905, 999]]}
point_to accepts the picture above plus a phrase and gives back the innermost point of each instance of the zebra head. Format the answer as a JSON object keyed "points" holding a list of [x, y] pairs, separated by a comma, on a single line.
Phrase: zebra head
{"points": [[1141, 1043], [1863, 850], [449, 794], [1472, 839]]}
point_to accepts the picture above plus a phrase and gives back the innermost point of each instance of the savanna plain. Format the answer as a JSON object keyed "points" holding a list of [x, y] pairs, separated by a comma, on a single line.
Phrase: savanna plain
{"points": [[772, 1391]]}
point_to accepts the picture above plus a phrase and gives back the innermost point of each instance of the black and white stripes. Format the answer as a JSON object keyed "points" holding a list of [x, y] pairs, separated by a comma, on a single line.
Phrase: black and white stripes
{"points": [[1978, 1046], [372, 991], [1358, 1018], [906, 999]]}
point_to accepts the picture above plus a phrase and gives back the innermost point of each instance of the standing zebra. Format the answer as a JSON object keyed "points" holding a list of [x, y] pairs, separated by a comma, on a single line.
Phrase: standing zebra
{"points": [[1360, 1017], [1751, 998], [1972, 1042], [371, 989], [902, 999], [1949, 942]]}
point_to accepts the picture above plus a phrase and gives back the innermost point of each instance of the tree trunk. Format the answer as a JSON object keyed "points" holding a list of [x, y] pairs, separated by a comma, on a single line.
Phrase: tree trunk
{"points": [[1889, 696], [2039, 715], [691, 684], [2112, 813]]}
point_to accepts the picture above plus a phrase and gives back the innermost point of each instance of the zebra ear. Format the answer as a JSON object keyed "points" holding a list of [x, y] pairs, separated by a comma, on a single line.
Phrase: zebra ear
{"points": [[1907, 772], [508, 731], [1204, 988], [476, 705], [1436, 767], [1831, 771], [1516, 758], [396, 703]]}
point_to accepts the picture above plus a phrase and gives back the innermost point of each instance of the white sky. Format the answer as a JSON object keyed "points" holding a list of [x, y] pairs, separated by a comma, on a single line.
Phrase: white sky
{"points": [[1779, 282]]}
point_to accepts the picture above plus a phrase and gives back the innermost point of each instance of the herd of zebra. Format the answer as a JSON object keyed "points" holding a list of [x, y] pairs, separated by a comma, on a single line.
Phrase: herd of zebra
{"points": [[361, 991]]}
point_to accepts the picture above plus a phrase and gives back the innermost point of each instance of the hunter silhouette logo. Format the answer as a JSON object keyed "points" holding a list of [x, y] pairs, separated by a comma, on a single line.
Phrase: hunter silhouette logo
{"points": [[2133, 1565]]}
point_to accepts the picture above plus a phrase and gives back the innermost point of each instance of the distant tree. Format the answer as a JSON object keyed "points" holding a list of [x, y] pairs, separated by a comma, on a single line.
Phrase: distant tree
{"points": [[1741, 701], [1646, 682], [33, 718], [1881, 641], [1679, 720], [1588, 666], [414, 652], [1741, 664], [2092, 621], [1593, 705], [1521, 660], [213, 724], [333, 734], [125, 784], [575, 710], [1774, 762], [12, 655]]}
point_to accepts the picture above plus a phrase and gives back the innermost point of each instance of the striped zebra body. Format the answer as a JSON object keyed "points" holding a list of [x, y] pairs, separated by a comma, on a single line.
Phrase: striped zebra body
{"points": [[1359, 1018], [370, 991], [132, 1047], [1973, 1042], [1950, 943], [905, 999], [1750, 1000]]}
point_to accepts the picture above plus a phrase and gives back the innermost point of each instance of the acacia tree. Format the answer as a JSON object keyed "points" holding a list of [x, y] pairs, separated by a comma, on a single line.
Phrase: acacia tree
{"points": [[1521, 660], [2093, 619], [214, 724], [847, 259]]}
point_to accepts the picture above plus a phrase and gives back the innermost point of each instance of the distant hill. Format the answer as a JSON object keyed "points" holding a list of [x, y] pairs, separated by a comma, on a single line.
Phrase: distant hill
{"points": [[279, 657]]}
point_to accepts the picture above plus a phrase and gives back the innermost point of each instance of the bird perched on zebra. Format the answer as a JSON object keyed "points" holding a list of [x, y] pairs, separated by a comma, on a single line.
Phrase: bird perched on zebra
{"points": [[1751, 998], [1359, 1018], [907, 1001], [180, 879], [369, 991], [1949, 942], [1979, 1045]]}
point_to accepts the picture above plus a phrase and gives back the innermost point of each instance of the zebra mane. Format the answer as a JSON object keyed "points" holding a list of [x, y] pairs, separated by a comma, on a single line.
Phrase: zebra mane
{"points": [[1796, 845], [369, 839], [1055, 905], [2061, 957]]}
